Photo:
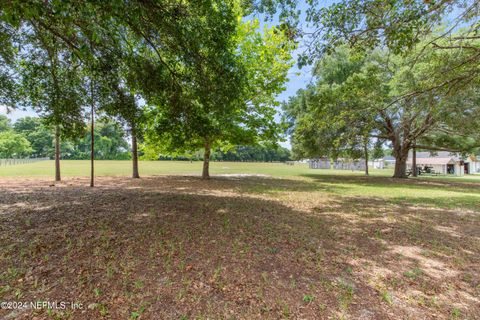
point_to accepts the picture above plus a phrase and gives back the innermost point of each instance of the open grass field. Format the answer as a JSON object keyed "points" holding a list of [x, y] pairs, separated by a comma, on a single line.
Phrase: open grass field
{"points": [[293, 243], [81, 168]]}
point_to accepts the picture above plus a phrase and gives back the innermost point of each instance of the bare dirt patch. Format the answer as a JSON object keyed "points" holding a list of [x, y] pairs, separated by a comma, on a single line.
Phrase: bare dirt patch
{"points": [[182, 248]]}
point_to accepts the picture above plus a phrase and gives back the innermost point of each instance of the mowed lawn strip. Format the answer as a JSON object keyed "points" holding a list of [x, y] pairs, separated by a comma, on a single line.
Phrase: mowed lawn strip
{"points": [[441, 191], [81, 168]]}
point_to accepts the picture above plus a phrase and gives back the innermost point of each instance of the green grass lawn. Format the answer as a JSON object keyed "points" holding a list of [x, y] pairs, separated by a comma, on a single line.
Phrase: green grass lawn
{"points": [[81, 168], [294, 243], [441, 191]]}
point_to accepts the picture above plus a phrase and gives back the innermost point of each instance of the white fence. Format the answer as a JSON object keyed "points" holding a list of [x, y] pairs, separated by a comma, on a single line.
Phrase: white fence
{"points": [[12, 162], [349, 165], [319, 164]]}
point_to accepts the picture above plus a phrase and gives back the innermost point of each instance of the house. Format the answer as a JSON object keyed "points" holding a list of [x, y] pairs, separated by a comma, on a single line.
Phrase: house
{"points": [[445, 162], [441, 165], [472, 164]]}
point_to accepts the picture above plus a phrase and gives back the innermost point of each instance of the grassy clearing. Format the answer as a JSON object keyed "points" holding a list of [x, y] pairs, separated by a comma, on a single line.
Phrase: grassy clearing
{"points": [[81, 168], [441, 191], [301, 244]]}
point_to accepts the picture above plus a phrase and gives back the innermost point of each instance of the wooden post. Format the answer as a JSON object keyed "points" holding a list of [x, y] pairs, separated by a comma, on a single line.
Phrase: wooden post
{"points": [[414, 161], [92, 145], [57, 153], [365, 151], [206, 161], [135, 174]]}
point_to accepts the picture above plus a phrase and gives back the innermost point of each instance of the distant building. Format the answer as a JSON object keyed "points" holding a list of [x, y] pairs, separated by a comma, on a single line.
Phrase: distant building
{"points": [[389, 161], [473, 164], [444, 162], [439, 165], [377, 163]]}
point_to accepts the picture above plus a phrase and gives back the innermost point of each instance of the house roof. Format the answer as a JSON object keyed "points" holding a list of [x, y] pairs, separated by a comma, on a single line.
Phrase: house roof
{"points": [[443, 155], [436, 154], [434, 161]]}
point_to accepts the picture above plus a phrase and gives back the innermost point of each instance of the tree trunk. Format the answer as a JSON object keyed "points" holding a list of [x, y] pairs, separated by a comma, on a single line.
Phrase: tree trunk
{"points": [[57, 153], [400, 167], [400, 152], [206, 162], [135, 174], [92, 147], [365, 150], [414, 162]]}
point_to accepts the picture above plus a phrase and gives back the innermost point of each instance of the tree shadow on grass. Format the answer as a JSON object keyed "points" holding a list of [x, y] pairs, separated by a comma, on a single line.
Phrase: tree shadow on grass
{"points": [[427, 251], [177, 246], [466, 202], [242, 184], [411, 183]]}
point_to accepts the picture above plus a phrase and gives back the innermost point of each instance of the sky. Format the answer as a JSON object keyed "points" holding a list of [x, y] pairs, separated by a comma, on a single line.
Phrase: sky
{"points": [[15, 114], [298, 78]]}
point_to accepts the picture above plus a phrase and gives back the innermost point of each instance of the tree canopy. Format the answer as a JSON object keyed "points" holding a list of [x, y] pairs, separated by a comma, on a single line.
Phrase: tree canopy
{"points": [[13, 145], [238, 110], [181, 74], [184, 75], [363, 96], [409, 68]]}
